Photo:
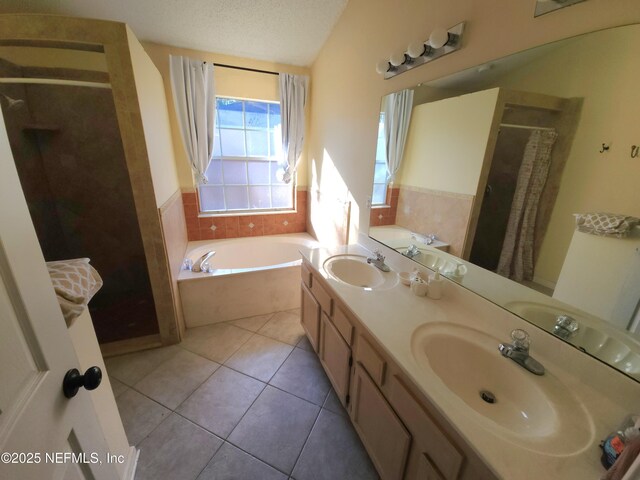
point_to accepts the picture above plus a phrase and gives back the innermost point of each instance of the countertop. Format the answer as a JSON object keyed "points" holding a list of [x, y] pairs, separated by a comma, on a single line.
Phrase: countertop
{"points": [[391, 316]]}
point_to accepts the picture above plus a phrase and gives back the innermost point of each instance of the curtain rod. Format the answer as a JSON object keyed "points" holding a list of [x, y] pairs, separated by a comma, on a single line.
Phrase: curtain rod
{"points": [[246, 69], [527, 127], [52, 81]]}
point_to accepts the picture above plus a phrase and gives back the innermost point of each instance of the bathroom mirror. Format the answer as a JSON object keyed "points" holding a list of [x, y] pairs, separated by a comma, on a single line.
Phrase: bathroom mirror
{"points": [[496, 160]]}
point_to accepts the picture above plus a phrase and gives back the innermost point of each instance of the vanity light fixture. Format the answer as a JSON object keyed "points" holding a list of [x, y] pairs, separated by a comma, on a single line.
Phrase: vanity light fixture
{"points": [[441, 42]]}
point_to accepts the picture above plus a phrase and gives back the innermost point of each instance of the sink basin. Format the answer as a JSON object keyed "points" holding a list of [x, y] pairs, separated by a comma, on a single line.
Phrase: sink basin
{"points": [[535, 412], [355, 271], [602, 342]]}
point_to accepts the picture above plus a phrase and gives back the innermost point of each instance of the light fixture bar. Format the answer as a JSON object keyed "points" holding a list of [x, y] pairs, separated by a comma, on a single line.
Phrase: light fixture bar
{"points": [[429, 54]]}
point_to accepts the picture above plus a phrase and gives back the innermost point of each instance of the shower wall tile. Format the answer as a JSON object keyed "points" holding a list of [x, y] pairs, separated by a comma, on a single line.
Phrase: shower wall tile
{"points": [[211, 228]]}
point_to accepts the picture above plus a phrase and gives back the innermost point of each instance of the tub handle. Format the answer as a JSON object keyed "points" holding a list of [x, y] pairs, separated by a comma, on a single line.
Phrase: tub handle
{"points": [[197, 265]]}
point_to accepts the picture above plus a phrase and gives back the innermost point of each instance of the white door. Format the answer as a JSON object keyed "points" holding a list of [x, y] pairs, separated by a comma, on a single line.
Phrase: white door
{"points": [[40, 429]]}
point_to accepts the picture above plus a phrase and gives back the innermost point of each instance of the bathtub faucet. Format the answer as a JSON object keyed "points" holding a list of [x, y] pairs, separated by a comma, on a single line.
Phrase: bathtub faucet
{"points": [[197, 265]]}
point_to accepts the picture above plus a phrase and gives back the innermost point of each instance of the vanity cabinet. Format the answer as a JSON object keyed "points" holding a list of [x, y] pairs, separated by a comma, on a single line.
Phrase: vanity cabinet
{"points": [[405, 437]]}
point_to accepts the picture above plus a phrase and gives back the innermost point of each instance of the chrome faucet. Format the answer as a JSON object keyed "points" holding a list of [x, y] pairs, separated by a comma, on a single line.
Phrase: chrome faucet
{"points": [[378, 261], [565, 327], [412, 251], [518, 351], [197, 265]]}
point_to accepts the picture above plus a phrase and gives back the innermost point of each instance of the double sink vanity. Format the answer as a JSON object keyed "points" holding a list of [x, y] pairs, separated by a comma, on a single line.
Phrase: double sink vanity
{"points": [[428, 390]]}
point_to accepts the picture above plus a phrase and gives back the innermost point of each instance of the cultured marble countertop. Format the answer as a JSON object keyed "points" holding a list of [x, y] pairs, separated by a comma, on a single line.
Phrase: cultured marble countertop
{"points": [[391, 317]]}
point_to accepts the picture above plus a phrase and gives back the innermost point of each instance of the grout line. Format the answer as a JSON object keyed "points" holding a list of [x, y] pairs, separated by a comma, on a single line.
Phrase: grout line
{"points": [[306, 440]]}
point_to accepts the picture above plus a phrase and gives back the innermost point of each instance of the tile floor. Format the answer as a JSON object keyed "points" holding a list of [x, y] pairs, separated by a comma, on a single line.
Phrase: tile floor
{"points": [[245, 399]]}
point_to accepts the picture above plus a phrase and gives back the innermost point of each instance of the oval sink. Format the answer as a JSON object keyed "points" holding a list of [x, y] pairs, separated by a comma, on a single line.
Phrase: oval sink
{"points": [[355, 271], [603, 343], [535, 412]]}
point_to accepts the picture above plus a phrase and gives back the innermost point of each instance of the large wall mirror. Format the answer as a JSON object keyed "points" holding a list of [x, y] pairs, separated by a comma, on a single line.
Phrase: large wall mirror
{"points": [[489, 176]]}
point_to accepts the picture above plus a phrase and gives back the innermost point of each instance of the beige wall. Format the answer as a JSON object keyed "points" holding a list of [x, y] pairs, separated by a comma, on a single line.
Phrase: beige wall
{"points": [[229, 82], [608, 80], [155, 120], [435, 157], [347, 90]]}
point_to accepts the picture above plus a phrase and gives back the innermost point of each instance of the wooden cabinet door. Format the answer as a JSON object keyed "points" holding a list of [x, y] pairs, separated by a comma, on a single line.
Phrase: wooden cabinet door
{"points": [[384, 436], [335, 355], [426, 469], [310, 317]]}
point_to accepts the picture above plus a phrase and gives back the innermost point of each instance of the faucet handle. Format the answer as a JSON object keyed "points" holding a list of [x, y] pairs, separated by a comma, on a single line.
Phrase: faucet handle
{"points": [[567, 322], [520, 339], [379, 255]]}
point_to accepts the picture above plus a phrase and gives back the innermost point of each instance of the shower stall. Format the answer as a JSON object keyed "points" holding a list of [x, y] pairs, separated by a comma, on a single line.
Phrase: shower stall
{"points": [[77, 133]]}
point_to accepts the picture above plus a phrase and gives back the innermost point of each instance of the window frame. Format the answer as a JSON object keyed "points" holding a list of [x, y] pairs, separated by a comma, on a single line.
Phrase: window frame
{"points": [[272, 161], [377, 162]]}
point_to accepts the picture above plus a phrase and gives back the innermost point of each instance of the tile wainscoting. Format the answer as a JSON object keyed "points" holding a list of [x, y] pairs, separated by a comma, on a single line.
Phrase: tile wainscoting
{"points": [[211, 228], [385, 214]]}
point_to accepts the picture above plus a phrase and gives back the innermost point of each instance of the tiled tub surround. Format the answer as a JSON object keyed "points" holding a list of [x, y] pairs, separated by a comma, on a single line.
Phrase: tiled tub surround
{"points": [[203, 227], [246, 399], [253, 276], [391, 316], [385, 214]]}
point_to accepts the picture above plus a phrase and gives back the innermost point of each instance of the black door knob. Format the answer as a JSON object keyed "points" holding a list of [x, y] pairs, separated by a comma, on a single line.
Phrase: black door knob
{"points": [[73, 381]]}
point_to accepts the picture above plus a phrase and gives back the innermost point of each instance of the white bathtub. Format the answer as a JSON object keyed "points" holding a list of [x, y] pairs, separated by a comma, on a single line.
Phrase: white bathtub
{"points": [[251, 276]]}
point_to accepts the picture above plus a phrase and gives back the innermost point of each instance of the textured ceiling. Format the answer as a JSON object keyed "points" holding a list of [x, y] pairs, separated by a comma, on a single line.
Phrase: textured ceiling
{"points": [[284, 31]]}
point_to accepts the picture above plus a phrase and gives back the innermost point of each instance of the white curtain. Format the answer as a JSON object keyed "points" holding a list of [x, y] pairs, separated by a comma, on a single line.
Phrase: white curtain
{"points": [[195, 102], [516, 257], [397, 116], [293, 96]]}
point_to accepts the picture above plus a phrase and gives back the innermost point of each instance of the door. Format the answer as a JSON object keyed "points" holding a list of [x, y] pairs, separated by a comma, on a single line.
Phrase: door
{"points": [[40, 429], [310, 317], [335, 356]]}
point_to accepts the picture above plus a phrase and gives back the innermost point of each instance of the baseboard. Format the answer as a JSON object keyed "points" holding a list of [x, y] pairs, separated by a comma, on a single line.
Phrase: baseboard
{"points": [[130, 345], [132, 463]]}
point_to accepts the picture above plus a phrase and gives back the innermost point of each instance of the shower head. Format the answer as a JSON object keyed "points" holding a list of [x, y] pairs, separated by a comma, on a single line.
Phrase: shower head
{"points": [[12, 103]]}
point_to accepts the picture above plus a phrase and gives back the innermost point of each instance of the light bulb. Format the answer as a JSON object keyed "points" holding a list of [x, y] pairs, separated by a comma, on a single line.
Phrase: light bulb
{"points": [[382, 67], [438, 38], [397, 59], [416, 49]]}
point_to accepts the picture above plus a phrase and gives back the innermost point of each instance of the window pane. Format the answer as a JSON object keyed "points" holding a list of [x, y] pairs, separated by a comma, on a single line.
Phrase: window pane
{"points": [[256, 114], [237, 198], [232, 142], [380, 173], [211, 197], [379, 194], [235, 172], [214, 172], [275, 143], [216, 143], [259, 197], [229, 112], [258, 172], [275, 167], [274, 115], [282, 197], [257, 143]]}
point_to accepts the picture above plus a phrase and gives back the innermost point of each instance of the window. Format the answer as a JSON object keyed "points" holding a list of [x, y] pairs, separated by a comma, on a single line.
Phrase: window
{"points": [[379, 196], [247, 149]]}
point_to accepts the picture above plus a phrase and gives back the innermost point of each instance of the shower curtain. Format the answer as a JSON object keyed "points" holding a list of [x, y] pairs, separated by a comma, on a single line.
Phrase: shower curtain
{"points": [[516, 257]]}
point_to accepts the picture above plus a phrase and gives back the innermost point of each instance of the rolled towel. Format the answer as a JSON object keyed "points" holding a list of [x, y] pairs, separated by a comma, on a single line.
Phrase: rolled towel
{"points": [[75, 283], [606, 224]]}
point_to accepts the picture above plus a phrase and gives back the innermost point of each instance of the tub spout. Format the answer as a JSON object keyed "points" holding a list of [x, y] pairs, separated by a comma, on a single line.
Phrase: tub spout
{"points": [[197, 265]]}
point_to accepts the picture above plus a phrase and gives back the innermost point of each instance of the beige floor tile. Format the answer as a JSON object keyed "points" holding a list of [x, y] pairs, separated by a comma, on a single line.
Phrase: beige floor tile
{"points": [[275, 428], [284, 326], [117, 386], [252, 323], [177, 449], [174, 380], [333, 451], [139, 414], [231, 463], [215, 342], [260, 357], [130, 368], [302, 375], [332, 404], [305, 344], [220, 402]]}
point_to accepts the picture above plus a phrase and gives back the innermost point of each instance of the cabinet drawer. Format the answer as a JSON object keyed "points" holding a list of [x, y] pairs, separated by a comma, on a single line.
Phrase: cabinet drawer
{"points": [[384, 436], [343, 325], [305, 274], [428, 437], [323, 298], [371, 360]]}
